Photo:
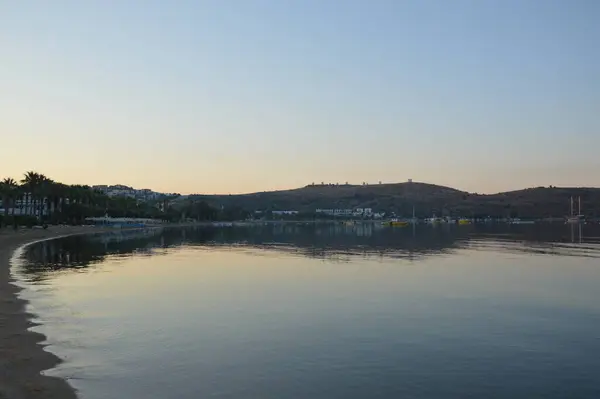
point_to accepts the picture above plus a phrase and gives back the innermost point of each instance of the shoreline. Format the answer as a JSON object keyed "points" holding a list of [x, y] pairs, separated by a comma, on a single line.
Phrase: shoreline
{"points": [[23, 357]]}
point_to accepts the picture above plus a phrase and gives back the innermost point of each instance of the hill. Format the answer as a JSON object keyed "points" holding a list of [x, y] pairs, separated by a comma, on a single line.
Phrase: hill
{"points": [[427, 199]]}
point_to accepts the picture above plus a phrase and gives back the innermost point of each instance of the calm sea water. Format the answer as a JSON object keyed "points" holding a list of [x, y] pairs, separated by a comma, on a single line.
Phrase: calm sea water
{"points": [[323, 312]]}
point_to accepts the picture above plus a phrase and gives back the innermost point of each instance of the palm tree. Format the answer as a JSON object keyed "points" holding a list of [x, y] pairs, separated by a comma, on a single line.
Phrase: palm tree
{"points": [[4, 195], [17, 193], [82, 202], [73, 194], [8, 190], [45, 188], [31, 182], [101, 200], [58, 195]]}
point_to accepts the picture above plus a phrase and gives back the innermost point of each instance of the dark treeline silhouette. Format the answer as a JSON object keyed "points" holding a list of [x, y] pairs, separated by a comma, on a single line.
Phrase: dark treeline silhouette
{"points": [[37, 199]]}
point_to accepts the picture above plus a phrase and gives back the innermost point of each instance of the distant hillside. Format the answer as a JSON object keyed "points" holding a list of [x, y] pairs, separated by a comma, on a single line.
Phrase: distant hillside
{"points": [[426, 198]]}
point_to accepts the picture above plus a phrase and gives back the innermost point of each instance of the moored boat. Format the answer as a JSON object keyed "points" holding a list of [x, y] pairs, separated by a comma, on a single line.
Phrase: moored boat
{"points": [[395, 223], [572, 218]]}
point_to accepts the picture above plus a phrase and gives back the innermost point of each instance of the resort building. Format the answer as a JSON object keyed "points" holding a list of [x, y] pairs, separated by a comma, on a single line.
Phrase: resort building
{"points": [[282, 213]]}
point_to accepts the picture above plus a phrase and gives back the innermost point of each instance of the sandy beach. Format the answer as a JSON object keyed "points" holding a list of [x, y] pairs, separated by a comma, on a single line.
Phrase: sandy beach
{"points": [[22, 356]]}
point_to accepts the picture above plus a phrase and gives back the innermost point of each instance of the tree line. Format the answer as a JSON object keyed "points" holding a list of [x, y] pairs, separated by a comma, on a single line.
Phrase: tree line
{"points": [[37, 199]]}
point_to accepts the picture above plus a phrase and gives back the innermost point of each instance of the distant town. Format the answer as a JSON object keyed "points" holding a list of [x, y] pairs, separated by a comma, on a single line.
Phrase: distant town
{"points": [[144, 194]]}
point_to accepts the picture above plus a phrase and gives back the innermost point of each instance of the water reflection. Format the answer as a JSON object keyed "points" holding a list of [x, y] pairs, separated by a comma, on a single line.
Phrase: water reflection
{"points": [[577, 236], [333, 242]]}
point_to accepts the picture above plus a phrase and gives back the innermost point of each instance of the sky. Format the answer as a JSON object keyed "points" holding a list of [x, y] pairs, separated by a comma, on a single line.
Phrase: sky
{"points": [[233, 96]]}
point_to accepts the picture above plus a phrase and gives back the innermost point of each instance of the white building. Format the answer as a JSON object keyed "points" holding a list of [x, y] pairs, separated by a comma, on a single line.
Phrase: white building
{"points": [[26, 205], [366, 212], [281, 213], [335, 212], [119, 190], [358, 212]]}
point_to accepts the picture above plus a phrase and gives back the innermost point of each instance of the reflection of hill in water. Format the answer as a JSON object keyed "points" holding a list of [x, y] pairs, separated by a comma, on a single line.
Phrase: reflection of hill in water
{"points": [[333, 241], [320, 241]]}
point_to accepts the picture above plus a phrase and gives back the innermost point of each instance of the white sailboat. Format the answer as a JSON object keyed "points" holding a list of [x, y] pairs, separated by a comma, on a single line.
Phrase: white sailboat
{"points": [[579, 218]]}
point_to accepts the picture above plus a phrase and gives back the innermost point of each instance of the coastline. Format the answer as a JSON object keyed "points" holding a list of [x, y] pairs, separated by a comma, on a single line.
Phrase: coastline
{"points": [[22, 354]]}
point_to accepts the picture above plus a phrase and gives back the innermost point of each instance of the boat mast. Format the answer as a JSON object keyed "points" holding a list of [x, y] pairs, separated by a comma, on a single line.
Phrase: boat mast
{"points": [[571, 205]]}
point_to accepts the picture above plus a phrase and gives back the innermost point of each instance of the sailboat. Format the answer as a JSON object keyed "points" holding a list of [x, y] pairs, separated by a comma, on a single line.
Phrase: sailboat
{"points": [[414, 219], [579, 218]]}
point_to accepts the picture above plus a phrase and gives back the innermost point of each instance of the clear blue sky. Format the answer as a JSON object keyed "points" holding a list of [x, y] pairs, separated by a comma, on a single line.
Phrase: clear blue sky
{"points": [[246, 95]]}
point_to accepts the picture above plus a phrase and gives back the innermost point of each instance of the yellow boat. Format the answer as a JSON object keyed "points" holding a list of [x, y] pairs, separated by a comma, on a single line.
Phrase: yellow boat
{"points": [[464, 221], [396, 223]]}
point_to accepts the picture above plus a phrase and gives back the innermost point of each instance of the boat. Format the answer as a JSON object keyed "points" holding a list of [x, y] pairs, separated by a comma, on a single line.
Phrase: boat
{"points": [[434, 220], [574, 219], [464, 221], [395, 223], [414, 218]]}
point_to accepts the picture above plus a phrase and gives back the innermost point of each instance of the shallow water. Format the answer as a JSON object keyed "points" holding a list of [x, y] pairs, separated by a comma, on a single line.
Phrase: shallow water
{"points": [[323, 312]]}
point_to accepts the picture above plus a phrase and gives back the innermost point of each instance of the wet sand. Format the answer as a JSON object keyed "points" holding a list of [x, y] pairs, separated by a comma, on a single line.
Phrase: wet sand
{"points": [[22, 354]]}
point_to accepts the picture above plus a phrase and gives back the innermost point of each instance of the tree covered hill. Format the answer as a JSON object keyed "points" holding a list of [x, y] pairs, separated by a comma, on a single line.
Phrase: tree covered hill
{"points": [[427, 199]]}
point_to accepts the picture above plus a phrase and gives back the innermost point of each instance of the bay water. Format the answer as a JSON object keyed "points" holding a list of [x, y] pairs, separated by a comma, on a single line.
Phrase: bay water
{"points": [[322, 311]]}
